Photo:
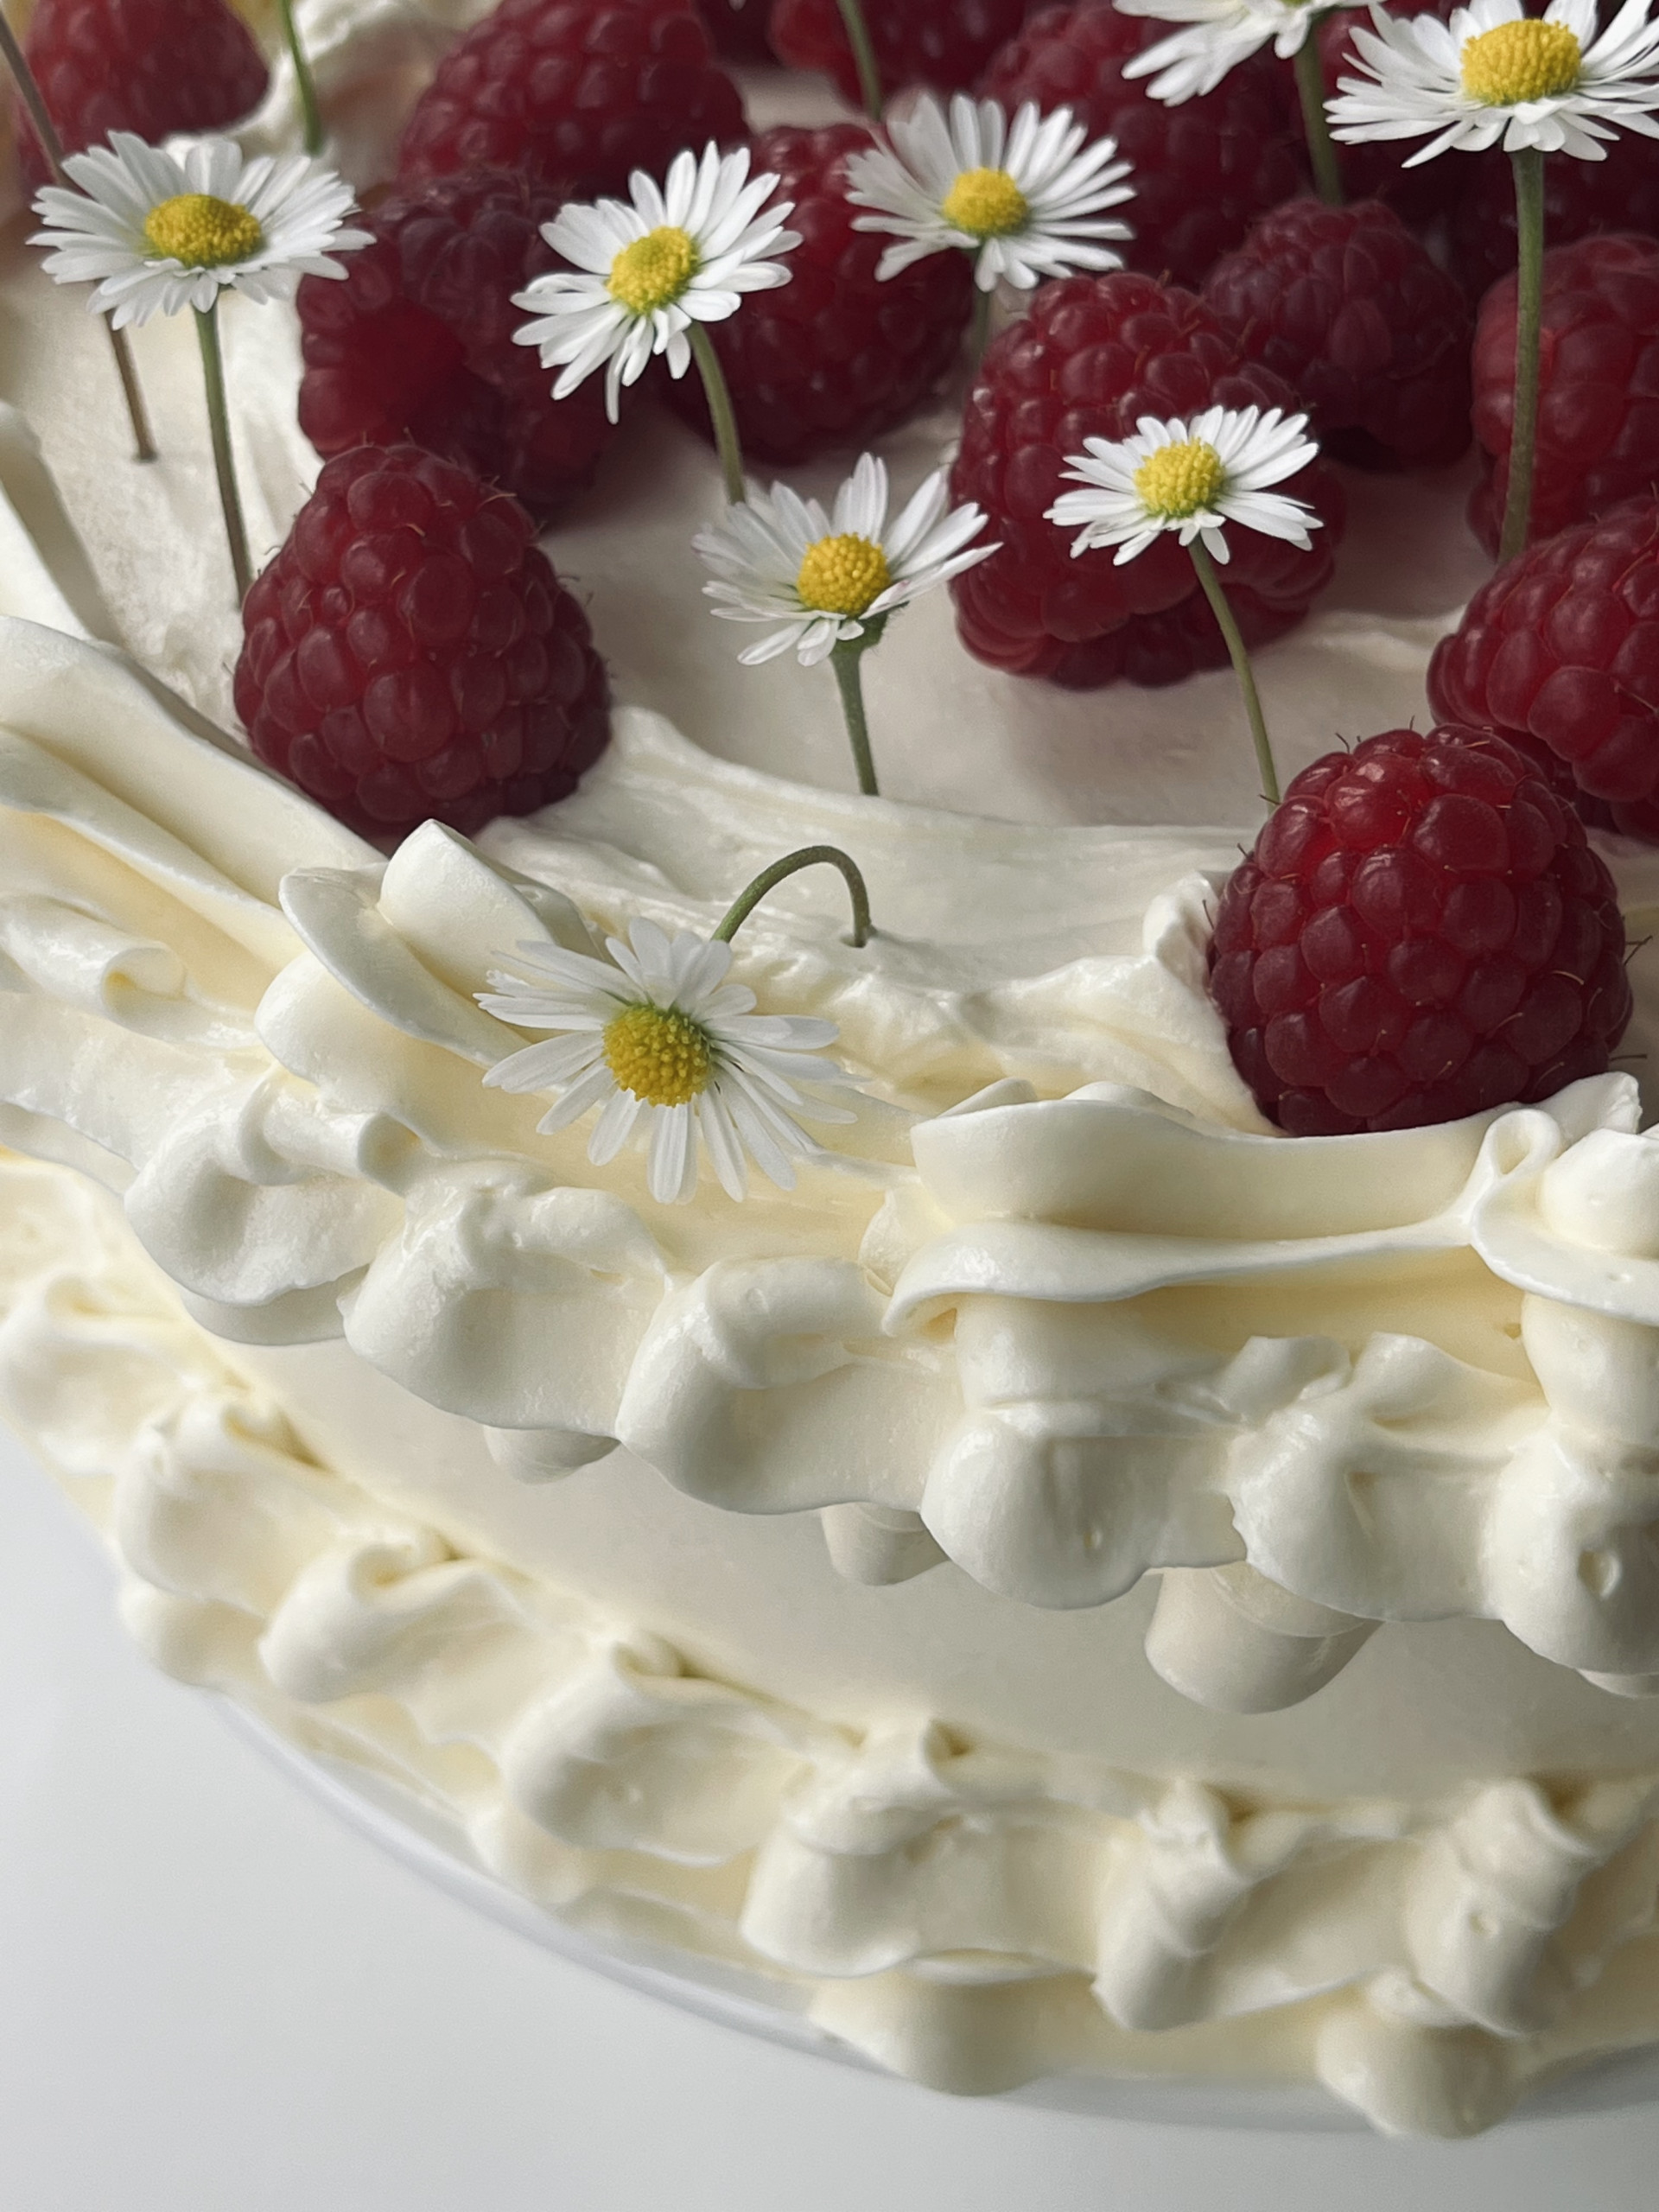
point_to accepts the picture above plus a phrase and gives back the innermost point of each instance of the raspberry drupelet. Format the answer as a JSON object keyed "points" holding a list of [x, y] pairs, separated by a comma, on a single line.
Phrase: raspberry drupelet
{"points": [[1092, 356], [580, 92], [417, 342], [1597, 439], [835, 357], [738, 28], [1376, 170], [411, 656], [151, 67], [1421, 932], [1345, 304], [944, 44], [1562, 647], [1582, 199], [1202, 171]]}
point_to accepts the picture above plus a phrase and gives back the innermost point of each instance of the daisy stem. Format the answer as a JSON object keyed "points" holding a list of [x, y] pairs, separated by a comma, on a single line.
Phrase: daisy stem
{"points": [[792, 864], [979, 336], [845, 658], [28, 92], [304, 83], [864, 61], [1528, 163], [218, 422], [720, 413], [1224, 614], [1321, 151]]}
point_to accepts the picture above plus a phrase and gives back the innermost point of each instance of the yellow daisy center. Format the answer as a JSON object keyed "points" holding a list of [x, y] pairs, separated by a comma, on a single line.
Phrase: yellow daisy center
{"points": [[986, 203], [1520, 61], [654, 270], [659, 1054], [202, 232], [1177, 480], [843, 575]]}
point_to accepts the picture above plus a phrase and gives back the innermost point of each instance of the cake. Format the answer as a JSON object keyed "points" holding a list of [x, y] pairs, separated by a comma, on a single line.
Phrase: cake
{"points": [[1085, 1583]]}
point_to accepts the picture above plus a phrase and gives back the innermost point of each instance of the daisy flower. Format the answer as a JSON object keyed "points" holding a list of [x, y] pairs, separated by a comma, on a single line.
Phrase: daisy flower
{"points": [[1191, 477], [829, 581], [1494, 75], [1219, 34], [1194, 478], [651, 273], [672, 1054], [158, 232], [1026, 201]]}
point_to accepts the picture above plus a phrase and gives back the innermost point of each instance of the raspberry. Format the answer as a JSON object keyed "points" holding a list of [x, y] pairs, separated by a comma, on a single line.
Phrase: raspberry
{"points": [[1094, 354], [417, 341], [738, 28], [1203, 171], [1562, 647], [1422, 932], [411, 656], [1582, 199], [941, 43], [1599, 386], [1345, 305], [833, 358], [583, 92], [153, 66]]}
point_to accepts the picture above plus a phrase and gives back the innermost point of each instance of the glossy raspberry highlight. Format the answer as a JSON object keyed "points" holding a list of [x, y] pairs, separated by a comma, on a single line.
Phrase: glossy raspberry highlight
{"points": [[1203, 171], [573, 91], [1599, 386], [1421, 933], [835, 357], [152, 66], [411, 656], [1093, 355], [417, 342], [1562, 646], [1345, 304]]}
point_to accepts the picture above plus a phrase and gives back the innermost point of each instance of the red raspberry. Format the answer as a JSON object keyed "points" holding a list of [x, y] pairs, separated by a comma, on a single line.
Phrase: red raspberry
{"points": [[941, 43], [738, 28], [1093, 355], [1562, 646], [1599, 386], [417, 341], [583, 92], [1582, 199], [152, 66], [411, 656], [835, 357], [1377, 169], [1345, 305], [1421, 933], [1203, 171]]}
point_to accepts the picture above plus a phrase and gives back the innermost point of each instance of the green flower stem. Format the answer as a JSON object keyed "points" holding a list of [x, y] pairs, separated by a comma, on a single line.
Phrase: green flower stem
{"points": [[304, 83], [979, 336], [845, 659], [792, 864], [864, 61], [28, 92], [1528, 165], [1321, 151], [720, 413], [1241, 660], [218, 421]]}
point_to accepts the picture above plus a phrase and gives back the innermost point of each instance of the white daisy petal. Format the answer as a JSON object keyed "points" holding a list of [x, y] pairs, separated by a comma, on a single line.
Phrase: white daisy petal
{"points": [[1231, 455], [731, 241], [1041, 194], [98, 234], [757, 556], [754, 1062]]}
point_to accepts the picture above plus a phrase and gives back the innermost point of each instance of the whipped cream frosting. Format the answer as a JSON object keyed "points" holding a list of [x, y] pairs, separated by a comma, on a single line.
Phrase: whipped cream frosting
{"points": [[1064, 1315]]}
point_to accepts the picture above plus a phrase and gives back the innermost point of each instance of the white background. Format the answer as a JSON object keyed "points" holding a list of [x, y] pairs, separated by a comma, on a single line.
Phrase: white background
{"points": [[215, 1999]]}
